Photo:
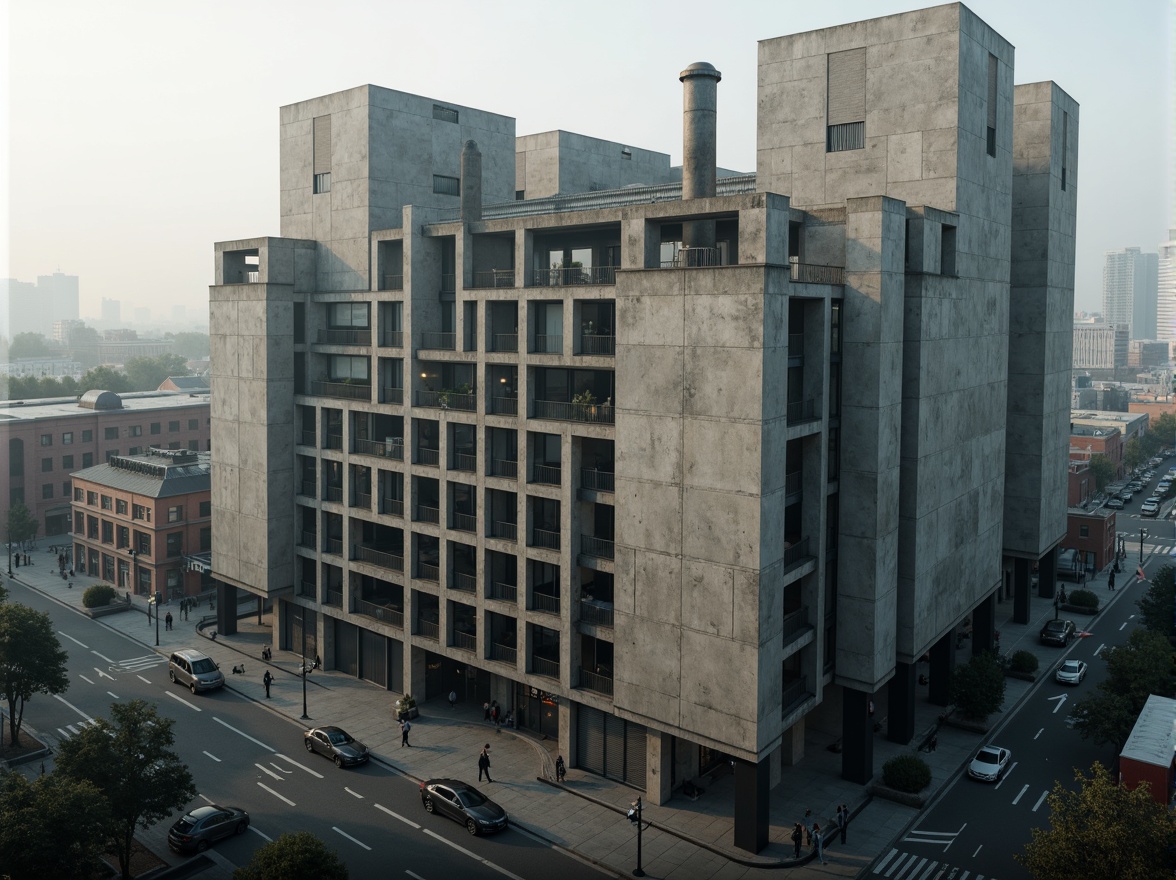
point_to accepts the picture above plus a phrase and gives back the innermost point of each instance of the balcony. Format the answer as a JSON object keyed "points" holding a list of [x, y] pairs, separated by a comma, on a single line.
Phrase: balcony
{"points": [[596, 681], [810, 273], [350, 336], [392, 339], [796, 346], [391, 282], [793, 483], [430, 629], [465, 461], [545, 666], [504, 406], [596, 480], [596, 613], [437, 341], [796, 553], [504, 653], [447, 400], [308, 488], [393, 448], [795, 624], [504, 467], [333, 545], [544, 538], [504, 592], [545, 602], [504, 342], [333, 494], [449, 283], [382, 558], [465, 522], [428, 572], [362, 500], [465, 641], [598, 344], [507, 531], [308, 540], [307, 437], [393, 506], [694, 258], [464, 582], [493, 278], [425, 455], [383, 613], [426, 514], [332, 441], [308, 590], [395, 396], [546, 344], [558, 277], [792, 694], [334, 598], [564, 411], [341, 390], [548, 474], [802, 411], [597, 547]]}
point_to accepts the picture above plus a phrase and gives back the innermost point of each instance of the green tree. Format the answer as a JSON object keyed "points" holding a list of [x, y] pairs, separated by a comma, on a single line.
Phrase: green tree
{"points": [[28, 345], [32, 661], [1101, 830], [53, 827], [299, 856], [104, 379], [191, 346], [978, 687], [132, 763], [1132, 453], [148, 373], [22, 525], [1102, 469], [1157, 608]]}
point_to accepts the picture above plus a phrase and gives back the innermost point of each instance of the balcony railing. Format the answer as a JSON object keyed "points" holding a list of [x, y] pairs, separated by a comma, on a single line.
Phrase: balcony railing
{"points": [[465, 461], [307, 438], [802, 411], [545, 538], [362, 499], [504, 467], [595, 681], [333, 545], [393, 506], [693, 258], [308, 589], [792, 693], [596, 613], [504, 342], [575, 275], [597, 547], [308, 488], [388, 394], [308, 539], [797, 553], [504, 406], [793, 483], [597, 480], [810, 273], [544, 666], [430, 629], [425, 455], [332, 441], [392, 338], [550, 474], [507, 531], [564, 411], [598, 343], [335, 598], [447, 400], [504, 653], [493, 278], [382, 558], [333, 493], [448, 283], [465, 641], [465, 522], [428, 572], [435, 340], [465, 582], [795, 622], [546, 344], [796, 345], [392, 282], [504, 592], [383, 613], [427, 514], [349, 336], [341, 390], [392, 447], [545, 602]]}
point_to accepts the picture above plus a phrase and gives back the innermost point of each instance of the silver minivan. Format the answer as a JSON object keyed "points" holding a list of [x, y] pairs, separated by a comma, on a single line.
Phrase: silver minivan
{"points": [[195, 671]]}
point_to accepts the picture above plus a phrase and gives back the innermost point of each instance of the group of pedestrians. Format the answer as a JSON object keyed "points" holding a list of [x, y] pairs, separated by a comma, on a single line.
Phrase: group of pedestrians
{"points": [[809, 831]]}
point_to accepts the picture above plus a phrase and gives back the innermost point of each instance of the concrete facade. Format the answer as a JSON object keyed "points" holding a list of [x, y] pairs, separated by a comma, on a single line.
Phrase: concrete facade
{"points": [[670, 476], [554, 163]]}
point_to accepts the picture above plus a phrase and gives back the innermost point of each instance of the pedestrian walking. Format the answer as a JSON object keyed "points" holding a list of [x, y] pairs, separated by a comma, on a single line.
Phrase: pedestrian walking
{"points": [[560, 769], [494, 713], [486, 711], [818, 846], [808, 827], [405, 727], [167, 621], [484, 763], [797, 837], [452, 699], [1111, 581], [267, 680], [843, 820]]}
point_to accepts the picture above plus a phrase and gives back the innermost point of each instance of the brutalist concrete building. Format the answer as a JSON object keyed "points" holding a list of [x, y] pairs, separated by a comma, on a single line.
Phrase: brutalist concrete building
{"points": [[675, 465]]}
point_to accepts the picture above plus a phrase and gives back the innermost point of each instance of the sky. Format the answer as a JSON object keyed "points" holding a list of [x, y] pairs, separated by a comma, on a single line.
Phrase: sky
{"points": [[136, 134]]}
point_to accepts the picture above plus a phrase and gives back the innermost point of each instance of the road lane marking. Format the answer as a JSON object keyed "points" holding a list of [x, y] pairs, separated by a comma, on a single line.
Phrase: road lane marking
{"points": [[113, 694], [206, 799], [1040, 800], [142, 679], [411, 874], [263, 835], [349, 837], [72, 706], [83, 678], [933, 866], [1099, 648], [1008, 773], [214, 757], [1020, 794], [103, 656], [354, 794], [72, 639], [180, 699], [64, 733], [918, 867], [1061, 698], [242, 733], [384, 809], [275, 794], [977, 852], [296, 764], [882, 864], [102, 674], [268, 771], [281, 769], [460, 849], [1124, 625]]}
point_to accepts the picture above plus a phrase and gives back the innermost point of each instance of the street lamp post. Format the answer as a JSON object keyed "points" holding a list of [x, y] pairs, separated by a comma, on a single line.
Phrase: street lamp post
{"points": [[306, 670], [635, 817], [1142, 535], [10, 549]]}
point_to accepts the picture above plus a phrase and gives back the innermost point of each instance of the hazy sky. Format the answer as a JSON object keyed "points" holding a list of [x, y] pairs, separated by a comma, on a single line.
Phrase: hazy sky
{"points": [[138, 133]]}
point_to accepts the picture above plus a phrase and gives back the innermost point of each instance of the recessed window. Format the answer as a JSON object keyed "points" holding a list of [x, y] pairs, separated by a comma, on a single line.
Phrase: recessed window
{"points": [[65, 488], [1065, 144], [92, 499], [47, 490], [87, 436], [107, 502], [193, 424], [67, 462], [846, 101], [87, 459], [322, 183], [446, 186], [444, 114], [1083, 531], [111, 453], [175, 544], [175, 514], [111, 433], [322, 154], [46, 439], [156, 428], [991, 130], [520, 194], [46, 465], [120, 506], [206, 508], [67, 438], [79, 495], [173, 426]]}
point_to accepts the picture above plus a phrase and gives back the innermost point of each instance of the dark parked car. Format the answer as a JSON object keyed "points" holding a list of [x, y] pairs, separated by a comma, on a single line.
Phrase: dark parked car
{"points": [[205, 825], [337, 744], [463, 803], [1057, 632]]}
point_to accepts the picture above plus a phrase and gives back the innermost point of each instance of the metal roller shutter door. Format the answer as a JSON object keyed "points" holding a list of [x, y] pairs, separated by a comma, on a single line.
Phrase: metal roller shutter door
{"points": [[373, 657], [635, 754], [347, 648], [590, 739]]}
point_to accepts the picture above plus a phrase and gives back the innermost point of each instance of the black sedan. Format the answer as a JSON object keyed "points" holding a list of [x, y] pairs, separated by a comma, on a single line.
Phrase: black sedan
{"points": [[1057, 632], [206, 825], [337, 744], [463, 803]]}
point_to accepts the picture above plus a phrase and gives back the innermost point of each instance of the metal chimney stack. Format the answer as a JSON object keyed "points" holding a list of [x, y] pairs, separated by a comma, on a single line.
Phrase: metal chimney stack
{"points": [[699, 155], [471, 182]]}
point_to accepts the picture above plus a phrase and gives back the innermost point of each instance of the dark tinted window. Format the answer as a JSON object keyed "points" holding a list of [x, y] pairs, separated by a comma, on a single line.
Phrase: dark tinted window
{"points": [[202, 666], [471, 798]]}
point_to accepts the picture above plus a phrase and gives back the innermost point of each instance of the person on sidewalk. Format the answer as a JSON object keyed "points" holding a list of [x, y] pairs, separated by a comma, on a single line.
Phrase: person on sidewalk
{"points": [[808, 827], [797, 837], [842, 820], [818, 846], [267, 680], [1111, 581], [167, 621], [486, 711], [405, 727], [484, 763], [452, 699], [494, 710], [561, 770]]}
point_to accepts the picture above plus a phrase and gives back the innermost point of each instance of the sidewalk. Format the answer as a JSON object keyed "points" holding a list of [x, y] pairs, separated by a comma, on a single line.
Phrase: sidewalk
{"points": [[686, 839]]}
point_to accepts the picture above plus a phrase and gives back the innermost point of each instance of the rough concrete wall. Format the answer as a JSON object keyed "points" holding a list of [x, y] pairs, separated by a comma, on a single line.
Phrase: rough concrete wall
{"points": [[1041, 305], [561, 162]]}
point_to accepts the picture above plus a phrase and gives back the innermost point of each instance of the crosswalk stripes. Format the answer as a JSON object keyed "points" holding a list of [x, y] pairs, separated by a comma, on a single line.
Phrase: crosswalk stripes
{"points": [[138, 664], [910, 866], [74, 729]]}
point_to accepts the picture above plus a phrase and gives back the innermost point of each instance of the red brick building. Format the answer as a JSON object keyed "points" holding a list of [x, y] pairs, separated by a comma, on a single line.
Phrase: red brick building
{"points": [[1092, 533], [137, 520]]}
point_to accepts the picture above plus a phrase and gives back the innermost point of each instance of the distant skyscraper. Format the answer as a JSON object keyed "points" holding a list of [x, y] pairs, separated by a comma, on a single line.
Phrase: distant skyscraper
{"points": [[111, 311], [34, 308], [1129, 291], [1166, 291]]}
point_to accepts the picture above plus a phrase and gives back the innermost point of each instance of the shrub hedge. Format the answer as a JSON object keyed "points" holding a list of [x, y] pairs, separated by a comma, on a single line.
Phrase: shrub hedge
{"points": [[908, 773], [98, 595], [1023, 661], [1083, 599]]}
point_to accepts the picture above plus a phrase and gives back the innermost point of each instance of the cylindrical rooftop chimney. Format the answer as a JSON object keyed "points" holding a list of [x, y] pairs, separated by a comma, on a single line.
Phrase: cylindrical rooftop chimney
{"points": [[471, 182], [699, 129]]}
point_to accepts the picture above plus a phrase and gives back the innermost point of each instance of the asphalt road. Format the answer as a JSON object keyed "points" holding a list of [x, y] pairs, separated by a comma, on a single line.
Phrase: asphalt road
{"points": [[242, 755]]}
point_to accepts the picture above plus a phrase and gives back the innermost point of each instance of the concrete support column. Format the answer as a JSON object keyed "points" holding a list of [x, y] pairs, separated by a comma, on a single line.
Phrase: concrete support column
{"points": [[1047, 573], [524, 247], [641, 247], [942, 664], [326, 640], [567, 732], [226, 609], [1021, 589], [984, 626], [658, 778], [900, 726], [414, 671], [857, 736], [751, 804], [792, 745]]}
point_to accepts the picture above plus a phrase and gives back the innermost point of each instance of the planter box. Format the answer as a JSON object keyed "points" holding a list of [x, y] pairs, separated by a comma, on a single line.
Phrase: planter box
{"points": [[965, 724], [905, 798], [1078, 609], [402, 713], [1023, 676], [113, 608]]}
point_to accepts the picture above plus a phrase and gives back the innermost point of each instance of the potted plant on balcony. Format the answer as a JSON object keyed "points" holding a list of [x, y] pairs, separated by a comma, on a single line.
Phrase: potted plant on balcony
{"points": [[585, 401], [406, 707]]}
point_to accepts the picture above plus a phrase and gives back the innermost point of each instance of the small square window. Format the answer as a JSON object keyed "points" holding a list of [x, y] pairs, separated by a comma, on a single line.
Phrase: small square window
{"points": [[111, 453], [67, 462], [173, 426], [175, 514], [194, 445], [87, 436], [120, 506], [193, 424], [107, 502], [46, 465], [47, 490], [156, 427], [1084, 531], [46, 439], [92, 499], [205, 508], [136, 431], [111, 433], [322, 183], [79, 495], [67, 438], [87, 459]]}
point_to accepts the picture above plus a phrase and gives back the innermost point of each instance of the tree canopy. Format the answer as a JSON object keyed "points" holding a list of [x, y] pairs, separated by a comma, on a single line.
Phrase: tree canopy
{"points": [[32, 660], [29, 345], [299, 856], [131, 761], [191, 346], [53, 827], [21, 525], [148, 373], [1102, 469], [978, 687], [1157, 607]]}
